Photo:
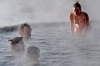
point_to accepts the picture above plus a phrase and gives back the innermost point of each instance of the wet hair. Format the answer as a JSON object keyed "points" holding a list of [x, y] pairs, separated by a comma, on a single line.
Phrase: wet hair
{"points": [[77, 5], [25, 24], [15, 40]]}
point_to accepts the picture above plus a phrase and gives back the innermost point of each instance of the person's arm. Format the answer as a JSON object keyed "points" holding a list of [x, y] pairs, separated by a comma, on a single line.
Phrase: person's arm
{"points": [[87, 24], [71, 22], [87, 20]]}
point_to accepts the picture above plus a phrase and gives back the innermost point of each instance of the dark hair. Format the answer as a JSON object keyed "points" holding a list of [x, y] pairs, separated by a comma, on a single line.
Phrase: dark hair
{"points": [[77, 5]]}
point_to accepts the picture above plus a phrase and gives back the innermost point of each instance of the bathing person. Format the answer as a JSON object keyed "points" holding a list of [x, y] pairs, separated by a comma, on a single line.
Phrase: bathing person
{"points": [[79, 19], [17, 44], [25, 31], [32, 55]]}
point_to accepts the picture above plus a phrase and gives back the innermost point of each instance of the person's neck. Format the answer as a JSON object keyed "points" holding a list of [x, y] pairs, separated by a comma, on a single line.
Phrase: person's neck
{"points": [[78, 14]]}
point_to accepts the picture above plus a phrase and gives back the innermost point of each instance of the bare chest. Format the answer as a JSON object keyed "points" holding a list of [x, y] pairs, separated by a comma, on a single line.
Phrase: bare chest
{"points": [[79, 20]]}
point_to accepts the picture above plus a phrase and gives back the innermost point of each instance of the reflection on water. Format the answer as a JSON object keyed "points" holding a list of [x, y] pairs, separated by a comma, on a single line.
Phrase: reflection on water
{"points": [[58, 47]]}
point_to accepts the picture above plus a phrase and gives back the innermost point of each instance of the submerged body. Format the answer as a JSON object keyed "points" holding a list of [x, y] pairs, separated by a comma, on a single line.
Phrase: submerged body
{"points": [[17, 45]]}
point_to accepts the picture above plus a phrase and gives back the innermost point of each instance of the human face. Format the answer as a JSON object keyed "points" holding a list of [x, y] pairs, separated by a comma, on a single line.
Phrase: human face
{"points": [[76, 10]]}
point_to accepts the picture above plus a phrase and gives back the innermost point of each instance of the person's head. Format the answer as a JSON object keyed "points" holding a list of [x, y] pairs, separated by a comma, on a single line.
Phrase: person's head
{"points": [[77, 8], [16, 40]]}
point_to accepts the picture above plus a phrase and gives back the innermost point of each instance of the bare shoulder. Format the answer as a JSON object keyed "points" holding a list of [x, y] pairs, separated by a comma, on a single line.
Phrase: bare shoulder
{"points": [[85, 14], [71, 14]]}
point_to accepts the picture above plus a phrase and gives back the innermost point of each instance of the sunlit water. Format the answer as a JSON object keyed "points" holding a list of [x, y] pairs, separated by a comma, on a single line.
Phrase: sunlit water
{"points": [[58, 46]]}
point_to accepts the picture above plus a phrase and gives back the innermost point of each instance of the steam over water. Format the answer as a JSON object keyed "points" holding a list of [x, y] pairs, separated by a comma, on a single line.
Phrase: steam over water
{"points": [[58, 46], [36, 11]]}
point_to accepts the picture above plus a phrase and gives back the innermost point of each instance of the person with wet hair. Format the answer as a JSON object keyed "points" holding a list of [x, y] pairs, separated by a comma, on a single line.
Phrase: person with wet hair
{"points": [[25, 30], [33, 55], [79, 19], [17, 44]]}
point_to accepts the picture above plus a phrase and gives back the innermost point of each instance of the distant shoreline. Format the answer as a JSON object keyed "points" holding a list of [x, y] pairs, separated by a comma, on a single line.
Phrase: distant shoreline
{"points": [[8, 28], [12, 28]]}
